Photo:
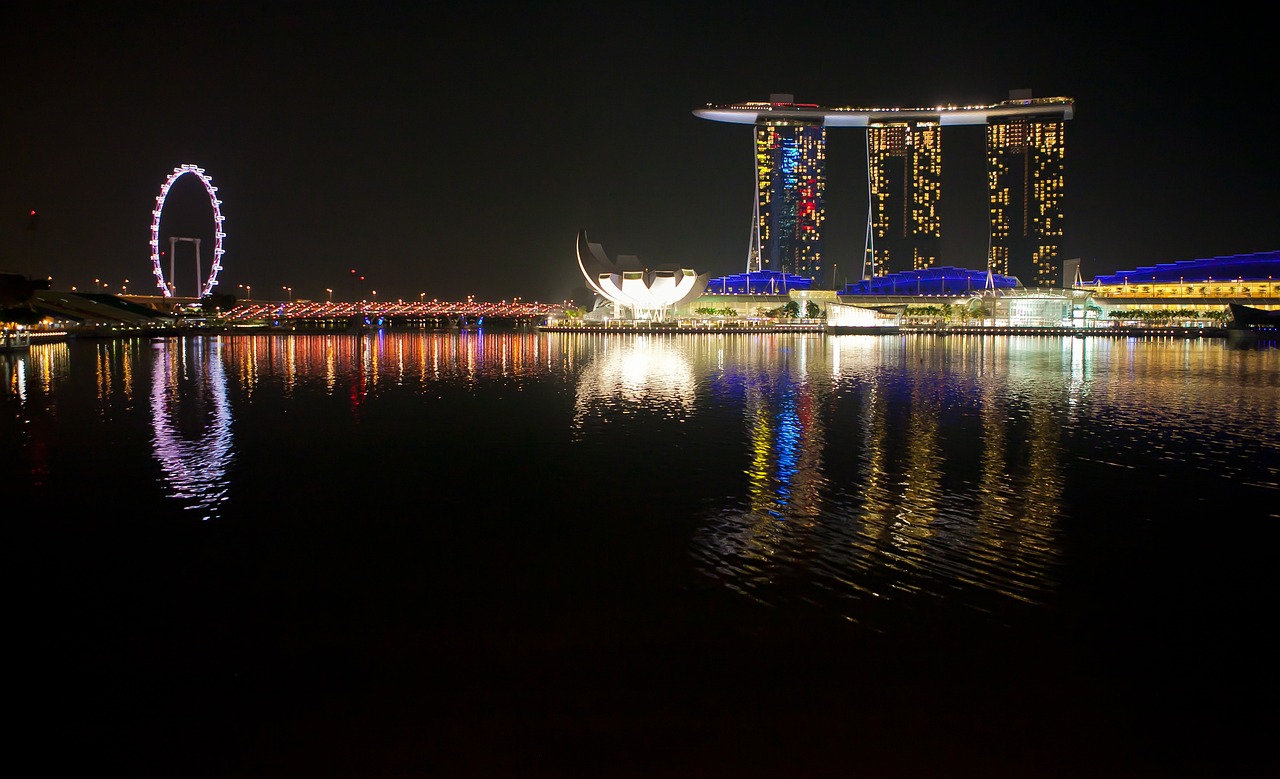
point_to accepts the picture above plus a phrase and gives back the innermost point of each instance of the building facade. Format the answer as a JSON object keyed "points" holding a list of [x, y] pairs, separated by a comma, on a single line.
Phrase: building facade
{"points": [[791, 182], [904, 173], [1026, 187], [1250, 279], [1026, 183]]}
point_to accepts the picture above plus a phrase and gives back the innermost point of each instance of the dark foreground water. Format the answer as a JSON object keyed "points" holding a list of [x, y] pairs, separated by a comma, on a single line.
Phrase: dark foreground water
{"points": [[518, 554]]}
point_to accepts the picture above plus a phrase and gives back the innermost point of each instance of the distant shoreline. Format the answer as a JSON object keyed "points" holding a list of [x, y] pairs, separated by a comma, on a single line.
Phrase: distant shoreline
{"points": [[806, 328], [1106, 332]]}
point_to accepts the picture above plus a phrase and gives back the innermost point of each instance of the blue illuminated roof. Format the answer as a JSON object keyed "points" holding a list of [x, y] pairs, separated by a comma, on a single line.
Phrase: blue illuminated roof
{"points": [[946, 280], [1248, 267], [761, 282]]}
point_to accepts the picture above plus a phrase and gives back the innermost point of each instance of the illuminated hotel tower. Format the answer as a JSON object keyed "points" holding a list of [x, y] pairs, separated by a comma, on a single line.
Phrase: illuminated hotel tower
{"points": [[1026, 165], [1026, 162], [791, 182], [904, 175]]}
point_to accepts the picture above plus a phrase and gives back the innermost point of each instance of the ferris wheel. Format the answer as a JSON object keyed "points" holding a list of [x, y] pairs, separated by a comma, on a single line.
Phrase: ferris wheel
{"points": [[207, 285]]}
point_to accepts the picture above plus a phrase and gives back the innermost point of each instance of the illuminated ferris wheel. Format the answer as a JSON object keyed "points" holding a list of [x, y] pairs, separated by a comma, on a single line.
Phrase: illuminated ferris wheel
{"points": [[206, 286]]}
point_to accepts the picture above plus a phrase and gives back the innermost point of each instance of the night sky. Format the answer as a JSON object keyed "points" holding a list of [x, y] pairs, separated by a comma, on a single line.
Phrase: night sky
{"points": [[458, 151]]}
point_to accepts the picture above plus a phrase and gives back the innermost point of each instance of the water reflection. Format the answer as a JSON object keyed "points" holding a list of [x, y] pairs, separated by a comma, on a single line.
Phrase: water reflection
{"points": [[114, 370], [29, 381], [191, 423], [920, 477], [873, 467], [368, 363], [13, 370], [37, 369], [784, 427], [850, 472], [627, 375]]}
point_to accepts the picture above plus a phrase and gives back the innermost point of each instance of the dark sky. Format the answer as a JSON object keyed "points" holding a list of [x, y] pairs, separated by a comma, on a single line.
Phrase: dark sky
{"points": [[458, 151]]}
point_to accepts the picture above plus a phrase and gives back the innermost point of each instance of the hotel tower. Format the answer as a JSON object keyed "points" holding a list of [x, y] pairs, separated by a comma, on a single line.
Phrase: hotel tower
{"points": [[1026, 172], [904, 184], [786, 228]]}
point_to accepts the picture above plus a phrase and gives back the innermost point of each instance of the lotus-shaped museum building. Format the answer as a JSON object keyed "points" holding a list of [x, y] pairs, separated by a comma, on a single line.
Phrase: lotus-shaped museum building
{"points": [[637, 291]]}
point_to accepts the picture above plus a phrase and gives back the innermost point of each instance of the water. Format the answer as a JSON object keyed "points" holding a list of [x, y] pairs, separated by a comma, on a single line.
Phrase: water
{"points": [[522, 554]]}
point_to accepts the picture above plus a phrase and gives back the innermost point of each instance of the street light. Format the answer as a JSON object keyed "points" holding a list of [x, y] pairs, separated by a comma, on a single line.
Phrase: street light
{"points": [[330, 291], [248, 290], [421, 295], [290, 291]]}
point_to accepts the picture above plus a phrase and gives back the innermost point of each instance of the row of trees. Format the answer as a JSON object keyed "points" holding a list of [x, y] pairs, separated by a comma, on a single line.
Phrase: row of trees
{"points": [[1167, 315], [946, 312], [788, 310]]}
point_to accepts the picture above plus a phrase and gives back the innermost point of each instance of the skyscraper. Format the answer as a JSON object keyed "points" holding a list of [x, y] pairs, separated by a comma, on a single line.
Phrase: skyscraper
{"points": [[1026, 165], [1026, 171], [904, 171], [791, 182]]}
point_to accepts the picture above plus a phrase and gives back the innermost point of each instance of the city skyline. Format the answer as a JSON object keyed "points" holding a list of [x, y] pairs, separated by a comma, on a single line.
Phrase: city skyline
{"points": [[1025, 171], [458, 153]]}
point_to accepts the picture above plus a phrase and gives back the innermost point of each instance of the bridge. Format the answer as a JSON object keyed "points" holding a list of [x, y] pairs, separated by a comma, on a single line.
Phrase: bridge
{"points": [[95, 310], [401, 310]]}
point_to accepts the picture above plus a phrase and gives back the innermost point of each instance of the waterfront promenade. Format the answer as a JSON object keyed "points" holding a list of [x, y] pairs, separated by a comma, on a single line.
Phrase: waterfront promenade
{"points": [[105, 316], [817, 326], [292, 329]]}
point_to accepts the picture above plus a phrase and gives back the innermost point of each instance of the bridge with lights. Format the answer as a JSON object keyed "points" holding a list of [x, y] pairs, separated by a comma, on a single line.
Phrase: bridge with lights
{"points": [[469, 309]]}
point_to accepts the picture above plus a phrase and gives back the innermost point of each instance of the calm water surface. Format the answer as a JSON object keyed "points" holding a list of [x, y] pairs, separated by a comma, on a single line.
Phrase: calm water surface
{"points": [[421, 554]]}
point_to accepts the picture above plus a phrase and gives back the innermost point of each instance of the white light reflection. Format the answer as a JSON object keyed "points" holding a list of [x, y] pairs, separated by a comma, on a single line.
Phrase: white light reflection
{"points": [[194, 467], [15, 377], [641, 374]]}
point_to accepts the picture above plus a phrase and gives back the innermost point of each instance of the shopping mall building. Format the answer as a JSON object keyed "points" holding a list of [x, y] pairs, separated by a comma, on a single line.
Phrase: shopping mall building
{"points": [[1189, 291]]}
